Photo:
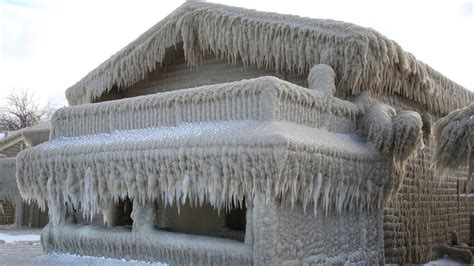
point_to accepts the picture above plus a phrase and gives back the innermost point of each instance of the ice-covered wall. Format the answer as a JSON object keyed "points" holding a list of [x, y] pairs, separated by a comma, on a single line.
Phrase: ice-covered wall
{"points": [[22, 214], [429, 205], [289, 236], [8, 186], [175, 74]]}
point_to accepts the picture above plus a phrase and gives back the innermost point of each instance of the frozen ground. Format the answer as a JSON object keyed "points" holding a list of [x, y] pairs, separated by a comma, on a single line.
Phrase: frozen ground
{"points": [[445, 261], [23, 247]]}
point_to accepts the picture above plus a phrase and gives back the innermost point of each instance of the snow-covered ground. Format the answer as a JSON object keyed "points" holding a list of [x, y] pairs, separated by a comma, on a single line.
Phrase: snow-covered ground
{"points": [[23, 247], [68, 259], [445, 261], [11, 239]]}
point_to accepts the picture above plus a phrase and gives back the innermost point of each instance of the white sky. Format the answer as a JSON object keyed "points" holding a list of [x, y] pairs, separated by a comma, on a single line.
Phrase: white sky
{"points": [[48, 45]]}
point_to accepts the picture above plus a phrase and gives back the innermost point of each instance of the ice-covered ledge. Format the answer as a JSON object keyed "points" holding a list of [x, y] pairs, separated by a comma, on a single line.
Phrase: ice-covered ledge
{"points": [[173, 248]]}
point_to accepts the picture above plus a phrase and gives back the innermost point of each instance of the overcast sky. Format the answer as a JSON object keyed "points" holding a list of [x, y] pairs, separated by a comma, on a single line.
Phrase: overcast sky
{"points": [[48, 45]]}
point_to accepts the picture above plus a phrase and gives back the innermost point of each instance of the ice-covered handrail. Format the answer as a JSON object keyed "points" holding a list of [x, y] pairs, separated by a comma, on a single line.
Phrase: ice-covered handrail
{"points": [[322, 79]]}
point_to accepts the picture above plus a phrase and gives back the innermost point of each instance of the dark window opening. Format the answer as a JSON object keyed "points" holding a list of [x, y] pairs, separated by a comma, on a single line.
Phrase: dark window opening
{"points": [[124, 212], [204, 220]]}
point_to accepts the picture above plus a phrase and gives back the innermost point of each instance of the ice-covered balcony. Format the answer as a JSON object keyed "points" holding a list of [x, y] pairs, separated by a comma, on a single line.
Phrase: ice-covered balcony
{"points": [[270, 148]]}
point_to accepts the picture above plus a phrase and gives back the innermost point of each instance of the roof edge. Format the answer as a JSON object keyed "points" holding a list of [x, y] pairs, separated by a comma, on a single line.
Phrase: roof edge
{"points": [[362, 58]]}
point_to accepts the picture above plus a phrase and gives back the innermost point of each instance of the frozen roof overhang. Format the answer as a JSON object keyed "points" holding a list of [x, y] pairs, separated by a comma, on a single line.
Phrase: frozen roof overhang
{"points": [[214, 144], [362, 58]]}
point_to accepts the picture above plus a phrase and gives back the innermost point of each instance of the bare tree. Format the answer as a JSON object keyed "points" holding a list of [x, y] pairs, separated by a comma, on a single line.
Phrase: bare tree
{"points": [[21, 110]]}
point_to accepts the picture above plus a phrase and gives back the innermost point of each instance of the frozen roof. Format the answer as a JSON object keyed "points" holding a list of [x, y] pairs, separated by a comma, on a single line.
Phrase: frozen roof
{"points": [[10, 145], [362, 58]]}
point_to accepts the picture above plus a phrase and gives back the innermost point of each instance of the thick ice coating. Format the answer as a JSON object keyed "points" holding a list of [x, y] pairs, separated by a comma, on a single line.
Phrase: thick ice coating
{"points": [[363, 58], [8, 187], [214, 144], [454, 135]]}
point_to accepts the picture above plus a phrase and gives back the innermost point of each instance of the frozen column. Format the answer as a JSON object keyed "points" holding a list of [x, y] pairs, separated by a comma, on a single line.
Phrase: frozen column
{"points": [[143, 216], [110, 214]]}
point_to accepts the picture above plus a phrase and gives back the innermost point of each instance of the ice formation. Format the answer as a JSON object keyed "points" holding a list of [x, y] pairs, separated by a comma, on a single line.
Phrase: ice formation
{"points": [[397, 136], [454, 135], [281, 148], [8, 186], [174, 248], [363, 58], [175, 147], [10, 145]]}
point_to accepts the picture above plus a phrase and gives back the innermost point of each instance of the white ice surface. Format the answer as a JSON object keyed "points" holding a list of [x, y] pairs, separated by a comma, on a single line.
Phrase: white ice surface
{"points": [[69, 259], [17, 238], [445, 261], [23, 247]]}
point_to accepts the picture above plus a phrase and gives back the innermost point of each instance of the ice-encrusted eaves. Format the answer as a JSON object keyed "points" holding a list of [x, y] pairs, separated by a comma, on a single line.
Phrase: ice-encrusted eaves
{"points": [[362, 58], [220, 163]]}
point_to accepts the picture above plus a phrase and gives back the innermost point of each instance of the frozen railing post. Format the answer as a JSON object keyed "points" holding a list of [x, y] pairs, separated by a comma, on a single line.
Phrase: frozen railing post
{"points": [[109, 212], [143, 216], [321, 79]]}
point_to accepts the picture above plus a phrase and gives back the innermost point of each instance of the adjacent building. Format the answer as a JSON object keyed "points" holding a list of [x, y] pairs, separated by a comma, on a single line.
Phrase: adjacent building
{"points": [[13, 209]]}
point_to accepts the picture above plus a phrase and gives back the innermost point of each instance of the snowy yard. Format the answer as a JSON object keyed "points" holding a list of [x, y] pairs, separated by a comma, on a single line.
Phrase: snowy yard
{"points": [[23, 247]]}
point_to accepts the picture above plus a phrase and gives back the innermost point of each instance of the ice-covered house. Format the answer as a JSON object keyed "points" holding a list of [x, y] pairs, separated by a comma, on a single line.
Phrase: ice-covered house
{"points": [[12, 208], [230, 136]]}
